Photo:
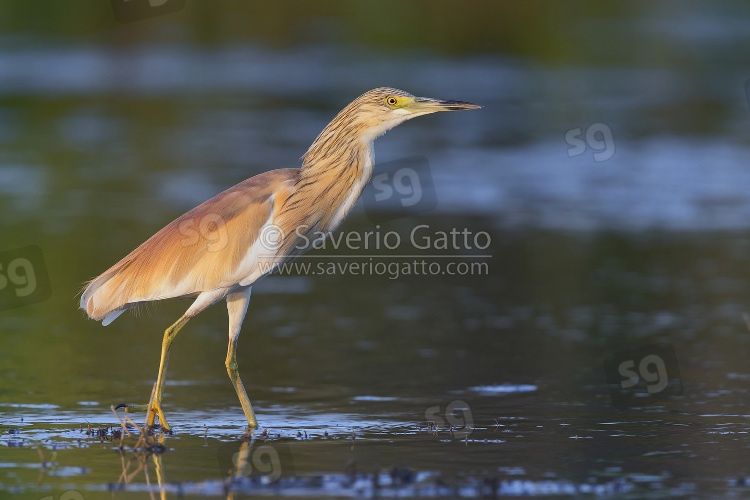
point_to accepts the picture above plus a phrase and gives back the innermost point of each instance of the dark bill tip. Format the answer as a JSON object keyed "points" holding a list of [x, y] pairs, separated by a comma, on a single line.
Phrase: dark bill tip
{"points": [[425, 104], [458, 105]]}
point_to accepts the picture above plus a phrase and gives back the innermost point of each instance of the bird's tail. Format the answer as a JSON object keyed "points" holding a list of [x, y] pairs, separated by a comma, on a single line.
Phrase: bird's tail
{"points": [[97, 299]]}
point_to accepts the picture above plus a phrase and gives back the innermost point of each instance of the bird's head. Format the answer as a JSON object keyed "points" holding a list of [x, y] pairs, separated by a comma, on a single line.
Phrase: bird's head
{"points": [[379, 110], [371, 115]]}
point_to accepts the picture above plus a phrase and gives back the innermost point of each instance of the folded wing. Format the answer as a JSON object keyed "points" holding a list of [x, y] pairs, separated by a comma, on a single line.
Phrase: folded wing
{"points": [[214, 246]]}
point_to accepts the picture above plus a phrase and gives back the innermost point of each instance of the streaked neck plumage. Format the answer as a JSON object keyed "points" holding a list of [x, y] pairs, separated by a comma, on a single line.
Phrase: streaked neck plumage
{"points": [[336, 167]]}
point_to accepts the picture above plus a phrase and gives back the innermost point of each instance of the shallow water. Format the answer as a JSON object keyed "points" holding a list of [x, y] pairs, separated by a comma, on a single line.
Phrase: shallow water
{"points": [[592, 260], [348, 387]]}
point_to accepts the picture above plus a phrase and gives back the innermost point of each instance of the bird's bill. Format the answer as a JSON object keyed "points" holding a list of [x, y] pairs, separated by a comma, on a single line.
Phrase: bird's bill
{"points": [[428, 105]]}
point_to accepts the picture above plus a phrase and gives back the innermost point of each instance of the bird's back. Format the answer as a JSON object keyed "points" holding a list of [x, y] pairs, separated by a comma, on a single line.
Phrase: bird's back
{"points": [[213, 246]]}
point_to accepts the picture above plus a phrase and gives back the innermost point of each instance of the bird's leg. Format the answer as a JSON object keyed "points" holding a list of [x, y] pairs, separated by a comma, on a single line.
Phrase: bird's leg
{"points": [[169, 335], [234, 376], [237, 307]]}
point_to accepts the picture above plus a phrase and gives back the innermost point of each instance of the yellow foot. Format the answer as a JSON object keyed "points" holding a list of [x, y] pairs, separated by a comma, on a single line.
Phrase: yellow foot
{"points": [[155, 411]]}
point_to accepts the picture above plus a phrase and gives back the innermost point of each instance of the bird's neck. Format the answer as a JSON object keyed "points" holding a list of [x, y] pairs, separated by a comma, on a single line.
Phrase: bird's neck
{"points": [[335, 170], [336, 146]]}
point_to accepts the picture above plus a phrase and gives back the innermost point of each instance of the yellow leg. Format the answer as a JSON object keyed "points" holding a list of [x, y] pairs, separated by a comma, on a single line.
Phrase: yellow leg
{"points": [[234, 376], [169, 335], [237, 302], [160, 477]]}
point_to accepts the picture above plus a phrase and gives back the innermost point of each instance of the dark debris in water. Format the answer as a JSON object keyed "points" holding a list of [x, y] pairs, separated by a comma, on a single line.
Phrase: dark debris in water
{"points": [[399, 482]]}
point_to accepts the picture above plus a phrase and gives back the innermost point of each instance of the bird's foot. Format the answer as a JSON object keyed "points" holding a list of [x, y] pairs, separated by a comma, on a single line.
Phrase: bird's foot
{"points": [[155, 411]]}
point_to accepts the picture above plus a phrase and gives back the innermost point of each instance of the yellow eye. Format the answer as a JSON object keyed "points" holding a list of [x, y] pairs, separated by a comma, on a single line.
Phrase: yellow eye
{"points": [[391, 101]]}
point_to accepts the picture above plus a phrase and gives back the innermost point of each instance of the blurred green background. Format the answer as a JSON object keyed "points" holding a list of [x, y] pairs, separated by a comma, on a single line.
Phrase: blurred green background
{"points": [[109, 130]]}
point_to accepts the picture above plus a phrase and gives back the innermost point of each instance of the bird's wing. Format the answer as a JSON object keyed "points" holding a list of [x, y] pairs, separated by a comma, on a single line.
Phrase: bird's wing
{"points": [[216, 245]]}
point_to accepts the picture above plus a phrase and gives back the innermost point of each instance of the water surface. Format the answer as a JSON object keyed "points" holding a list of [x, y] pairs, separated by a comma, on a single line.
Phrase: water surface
{"points": [[372, 384]]}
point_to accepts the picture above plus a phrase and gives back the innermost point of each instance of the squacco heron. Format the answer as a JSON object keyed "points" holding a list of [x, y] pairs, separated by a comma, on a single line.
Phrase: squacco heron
{"points": [[262, 222]]}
